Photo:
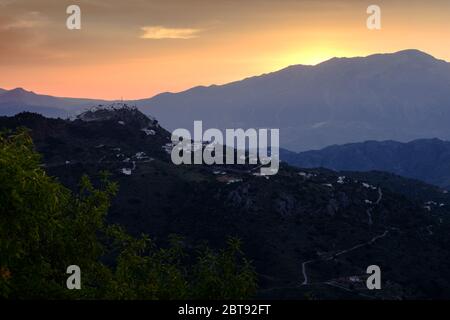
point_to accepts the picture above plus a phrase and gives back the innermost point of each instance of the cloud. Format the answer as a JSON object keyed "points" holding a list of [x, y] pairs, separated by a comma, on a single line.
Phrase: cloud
{"points": [[160, 32], [28, 20]]}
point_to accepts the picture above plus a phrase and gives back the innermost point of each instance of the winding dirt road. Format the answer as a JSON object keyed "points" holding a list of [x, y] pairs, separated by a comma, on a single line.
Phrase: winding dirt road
{"points": [[371, 241]]}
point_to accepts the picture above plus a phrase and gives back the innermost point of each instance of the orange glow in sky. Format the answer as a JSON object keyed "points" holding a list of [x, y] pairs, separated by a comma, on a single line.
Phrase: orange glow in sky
{"points": [[136, 49]]}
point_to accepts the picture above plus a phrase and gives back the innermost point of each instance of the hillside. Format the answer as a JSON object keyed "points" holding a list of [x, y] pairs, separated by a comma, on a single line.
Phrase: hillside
{"points": [[427, 160], [309, 232]]}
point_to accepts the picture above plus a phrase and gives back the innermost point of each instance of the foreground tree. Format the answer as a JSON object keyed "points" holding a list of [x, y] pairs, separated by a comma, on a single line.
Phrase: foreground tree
{"points": [[44, 228]]}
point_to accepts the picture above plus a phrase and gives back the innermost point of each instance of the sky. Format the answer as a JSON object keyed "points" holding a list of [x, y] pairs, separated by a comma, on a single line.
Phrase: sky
{"points": [[138, 48]]}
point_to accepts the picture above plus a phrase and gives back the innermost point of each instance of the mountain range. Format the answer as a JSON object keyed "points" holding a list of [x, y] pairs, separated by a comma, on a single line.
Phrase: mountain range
{"points": [[18, 100], [427, 160], [310, 233], [400, 96]]}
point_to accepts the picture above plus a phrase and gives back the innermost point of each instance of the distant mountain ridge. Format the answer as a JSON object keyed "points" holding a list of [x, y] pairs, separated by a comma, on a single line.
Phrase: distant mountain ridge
{"points": [[427, 160], [399, 96], [19, 100]]}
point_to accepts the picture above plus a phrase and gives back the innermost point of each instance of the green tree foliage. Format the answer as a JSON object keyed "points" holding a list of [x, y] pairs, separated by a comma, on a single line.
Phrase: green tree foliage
{"points": [[44, 228]]}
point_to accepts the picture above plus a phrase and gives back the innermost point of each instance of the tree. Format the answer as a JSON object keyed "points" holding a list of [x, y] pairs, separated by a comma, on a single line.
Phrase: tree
{"points": [[44, 228]]}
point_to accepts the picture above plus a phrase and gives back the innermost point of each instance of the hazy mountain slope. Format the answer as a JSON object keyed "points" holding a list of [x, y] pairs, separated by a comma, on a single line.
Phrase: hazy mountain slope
{"points": [[401, 96], [18, 100], [426, 159], [284, 221]]}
